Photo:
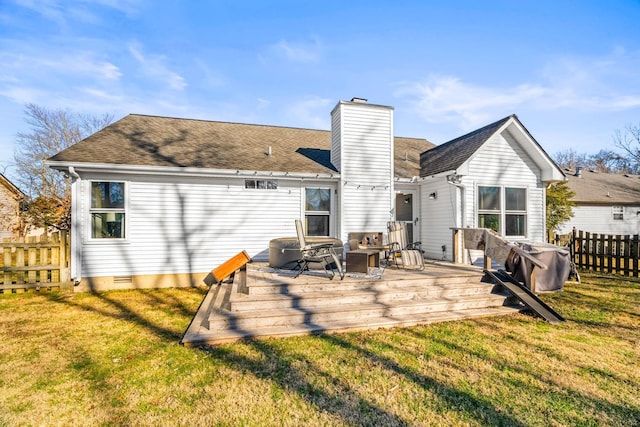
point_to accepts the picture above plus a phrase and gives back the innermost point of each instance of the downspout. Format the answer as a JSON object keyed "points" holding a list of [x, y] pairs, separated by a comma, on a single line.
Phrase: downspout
{"points": [[76, 275], [454, 180]]}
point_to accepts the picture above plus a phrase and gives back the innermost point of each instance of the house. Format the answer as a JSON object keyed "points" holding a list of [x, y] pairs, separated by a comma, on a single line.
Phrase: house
{"points": [[160, 201], [606, 203], [10, 198]]}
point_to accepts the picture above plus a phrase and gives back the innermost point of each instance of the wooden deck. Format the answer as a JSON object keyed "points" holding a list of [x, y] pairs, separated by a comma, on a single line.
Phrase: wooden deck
{"points": [[274, 304]]}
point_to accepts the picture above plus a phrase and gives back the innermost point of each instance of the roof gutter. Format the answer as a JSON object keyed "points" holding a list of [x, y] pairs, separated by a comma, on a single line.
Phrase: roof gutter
{"points": [[443, 174], [74, 168]]}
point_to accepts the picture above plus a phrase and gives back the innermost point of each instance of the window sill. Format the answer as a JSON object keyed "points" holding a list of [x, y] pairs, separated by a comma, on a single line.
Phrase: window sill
{"points": [[118, 242]]}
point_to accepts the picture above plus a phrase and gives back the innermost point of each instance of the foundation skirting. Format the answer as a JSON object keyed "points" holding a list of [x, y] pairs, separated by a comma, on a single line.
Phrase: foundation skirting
{"points": [[146, 281]]}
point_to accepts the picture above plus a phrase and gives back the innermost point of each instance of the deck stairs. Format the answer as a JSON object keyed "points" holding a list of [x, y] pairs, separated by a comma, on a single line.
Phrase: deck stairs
{"points": [[274, 304]]}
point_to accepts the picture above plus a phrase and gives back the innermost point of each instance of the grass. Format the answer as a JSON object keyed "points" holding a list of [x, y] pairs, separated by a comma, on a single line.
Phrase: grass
{"points": [[113, 359]]}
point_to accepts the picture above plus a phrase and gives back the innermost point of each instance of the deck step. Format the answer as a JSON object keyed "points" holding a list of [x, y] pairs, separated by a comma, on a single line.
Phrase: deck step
{"points": [[221, 336], [380, 294], [339, 312], [294, 286], [276, 304]]}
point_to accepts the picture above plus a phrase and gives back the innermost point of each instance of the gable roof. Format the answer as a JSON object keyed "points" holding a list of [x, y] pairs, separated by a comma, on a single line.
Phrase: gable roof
{"points": [[604, 188], [451, 155], [141, 140], [4, 181]]}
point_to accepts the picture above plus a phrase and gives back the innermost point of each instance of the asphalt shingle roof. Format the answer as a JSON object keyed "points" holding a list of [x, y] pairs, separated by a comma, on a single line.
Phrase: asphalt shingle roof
{"points": [[604, 188], [450, 155], [141, 140], [4, 181]]}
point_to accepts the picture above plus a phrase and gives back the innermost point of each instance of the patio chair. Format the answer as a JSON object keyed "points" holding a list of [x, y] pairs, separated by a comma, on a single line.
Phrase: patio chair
{"points": [[410, 254], [321, 253]]}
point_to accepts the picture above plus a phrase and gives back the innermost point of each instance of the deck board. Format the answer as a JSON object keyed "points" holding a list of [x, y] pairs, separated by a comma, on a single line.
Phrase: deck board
{"points": [[277, 305]]}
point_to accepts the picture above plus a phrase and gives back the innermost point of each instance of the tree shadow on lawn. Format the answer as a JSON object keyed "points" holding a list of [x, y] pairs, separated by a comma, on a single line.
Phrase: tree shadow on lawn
{"points": [[468, 406], [611, 295], [556, 391], [603, 309], [336, 398], [344, 402], [108, 399], [116, 308]]}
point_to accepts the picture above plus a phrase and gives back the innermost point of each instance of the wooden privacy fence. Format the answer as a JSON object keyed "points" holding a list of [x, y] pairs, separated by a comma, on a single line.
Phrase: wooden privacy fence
{"points": [[34, 263], [605, 253]]}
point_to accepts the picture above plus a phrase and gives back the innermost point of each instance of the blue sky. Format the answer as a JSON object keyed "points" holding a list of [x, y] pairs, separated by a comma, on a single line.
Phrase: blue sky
{"points": [[570, 70]]}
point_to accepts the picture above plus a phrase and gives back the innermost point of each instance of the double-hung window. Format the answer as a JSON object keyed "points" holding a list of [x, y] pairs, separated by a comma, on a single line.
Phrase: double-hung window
{"points": [[503, 209], [107, 210], [515, 201], [618, 213], [489, 208], [317, 211]]}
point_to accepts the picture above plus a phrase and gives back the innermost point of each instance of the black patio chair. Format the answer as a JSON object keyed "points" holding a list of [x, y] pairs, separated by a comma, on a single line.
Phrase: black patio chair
{"points": [[321, 253]]}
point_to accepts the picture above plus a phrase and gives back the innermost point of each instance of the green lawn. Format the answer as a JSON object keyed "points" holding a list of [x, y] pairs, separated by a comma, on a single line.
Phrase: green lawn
{"points": [[114, 359]]}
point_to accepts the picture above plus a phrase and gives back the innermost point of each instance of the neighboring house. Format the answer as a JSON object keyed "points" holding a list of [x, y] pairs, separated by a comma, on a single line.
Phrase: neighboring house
{"points": [[10, 198], [606, 203], [161, 201]]}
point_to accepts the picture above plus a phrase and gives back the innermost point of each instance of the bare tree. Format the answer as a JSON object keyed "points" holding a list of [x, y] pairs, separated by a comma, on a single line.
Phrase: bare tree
{"points": [[51, 131], [605, 161], [608, 161], [628, 140], [570, 159]]}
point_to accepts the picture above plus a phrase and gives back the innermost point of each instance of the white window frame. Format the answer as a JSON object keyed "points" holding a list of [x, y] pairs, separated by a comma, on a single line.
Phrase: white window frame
{"points": [[502, 212], [524, 212], [328, 214], [91, 210], [260, 184], [617, 213]]}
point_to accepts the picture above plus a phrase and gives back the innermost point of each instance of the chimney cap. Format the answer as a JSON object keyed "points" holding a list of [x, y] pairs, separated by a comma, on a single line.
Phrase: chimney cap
{"points": [[359, 100]]}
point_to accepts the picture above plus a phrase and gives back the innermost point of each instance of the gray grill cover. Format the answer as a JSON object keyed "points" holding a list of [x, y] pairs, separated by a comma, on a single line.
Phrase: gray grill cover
{"points": [[557, 260]]}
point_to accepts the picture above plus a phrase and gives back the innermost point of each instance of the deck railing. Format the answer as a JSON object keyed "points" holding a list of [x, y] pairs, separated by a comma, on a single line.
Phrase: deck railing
{"points": [[35, 263]]}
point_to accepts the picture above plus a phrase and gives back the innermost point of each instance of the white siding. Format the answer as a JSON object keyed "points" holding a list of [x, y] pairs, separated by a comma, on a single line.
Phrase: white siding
{"points": [[366, 166], [438, 217], [191, 226], [599, 219], [501, 161], [336, 131]]}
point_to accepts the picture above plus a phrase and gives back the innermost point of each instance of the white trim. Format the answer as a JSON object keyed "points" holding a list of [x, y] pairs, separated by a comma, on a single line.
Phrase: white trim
{"points": [[188, 171], [549, 171], [617, 210], [332, 213], [444, 174], [503, 208], [89, 210], [415, 210]]}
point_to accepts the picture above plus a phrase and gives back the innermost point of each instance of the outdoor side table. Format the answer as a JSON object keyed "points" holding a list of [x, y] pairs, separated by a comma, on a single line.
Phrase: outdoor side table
{"points": [[380, 248], [360, 260]]}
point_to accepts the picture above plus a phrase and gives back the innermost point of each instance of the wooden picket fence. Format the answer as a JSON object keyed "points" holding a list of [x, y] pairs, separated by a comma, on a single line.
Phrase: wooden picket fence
{"points": [[35, 263], [604, 253]]}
